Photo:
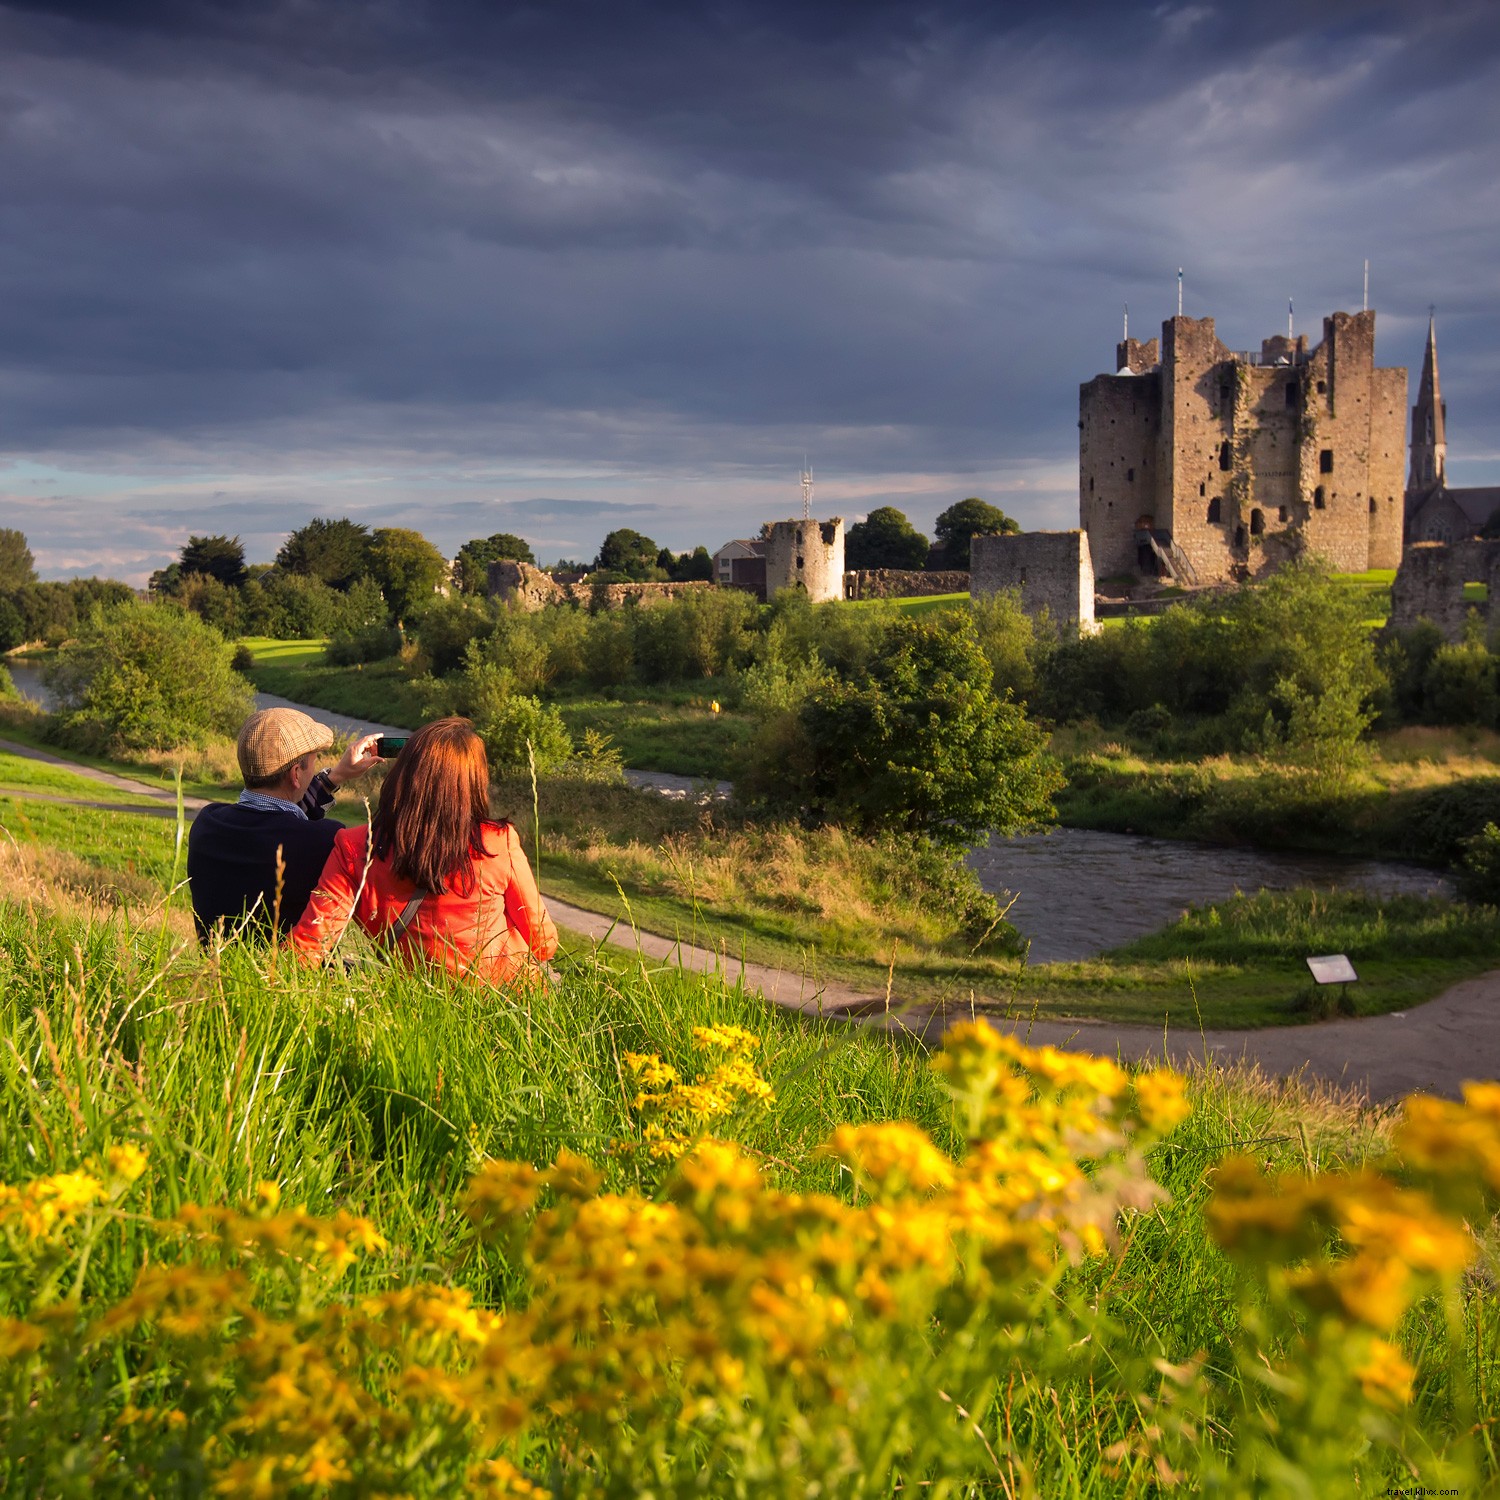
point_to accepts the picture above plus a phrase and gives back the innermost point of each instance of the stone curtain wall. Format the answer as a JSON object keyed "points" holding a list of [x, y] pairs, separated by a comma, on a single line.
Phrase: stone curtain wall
{"points": [[531, 589], [1053, 570], [901, 583], [1430, 584]]}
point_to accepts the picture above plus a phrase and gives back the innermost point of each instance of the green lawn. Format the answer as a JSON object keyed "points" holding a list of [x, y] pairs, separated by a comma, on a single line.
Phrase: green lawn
{"points": [[17, 772], [273, 653], [922, 604], [687, 739]]}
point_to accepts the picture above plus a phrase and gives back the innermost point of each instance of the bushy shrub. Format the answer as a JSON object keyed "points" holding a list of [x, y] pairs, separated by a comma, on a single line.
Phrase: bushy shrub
{"points": [[146, 677], [373, 643], [1008, 638], [446, 627], [519, 730], [8, 690], [1479, 870], [916, 742]]}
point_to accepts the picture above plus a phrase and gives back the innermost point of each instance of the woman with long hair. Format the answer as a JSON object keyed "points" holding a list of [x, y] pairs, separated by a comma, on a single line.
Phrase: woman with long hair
{"points": [[436, 876]]}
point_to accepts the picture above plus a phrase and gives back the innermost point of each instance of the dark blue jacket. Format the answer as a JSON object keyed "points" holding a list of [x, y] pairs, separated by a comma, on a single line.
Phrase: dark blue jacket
{"points": [[231, 863]]}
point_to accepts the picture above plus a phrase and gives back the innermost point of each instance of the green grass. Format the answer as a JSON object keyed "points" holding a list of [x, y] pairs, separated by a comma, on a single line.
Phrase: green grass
{"points": [[18, 773], [273, 653], [25, 726], [921, 604], [379, 1091], [685, 738]]}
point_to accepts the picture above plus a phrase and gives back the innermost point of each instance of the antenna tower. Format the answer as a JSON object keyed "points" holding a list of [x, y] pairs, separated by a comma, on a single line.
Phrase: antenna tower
{"points": [[806, 489]]}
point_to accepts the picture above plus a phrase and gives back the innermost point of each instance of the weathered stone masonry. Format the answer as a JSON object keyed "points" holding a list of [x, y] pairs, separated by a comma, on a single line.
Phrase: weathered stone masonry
{"points": [[1209, 464], [1051, 569]]}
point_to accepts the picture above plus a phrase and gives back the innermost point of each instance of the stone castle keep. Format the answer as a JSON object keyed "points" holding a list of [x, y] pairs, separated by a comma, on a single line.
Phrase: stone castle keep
{"points": [[1203, 464]]}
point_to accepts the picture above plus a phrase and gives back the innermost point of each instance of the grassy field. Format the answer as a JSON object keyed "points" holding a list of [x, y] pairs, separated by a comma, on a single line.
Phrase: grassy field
{"points": [[378, 1093], [273, 653], [685, 737]]}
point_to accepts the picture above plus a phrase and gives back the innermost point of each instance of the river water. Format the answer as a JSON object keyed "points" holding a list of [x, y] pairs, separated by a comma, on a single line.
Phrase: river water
{"points": [[1078, 892]]}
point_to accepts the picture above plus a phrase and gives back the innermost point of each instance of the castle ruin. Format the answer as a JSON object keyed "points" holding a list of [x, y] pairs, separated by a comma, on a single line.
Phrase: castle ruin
{"points": [[1203, 464], [1051, 570]]}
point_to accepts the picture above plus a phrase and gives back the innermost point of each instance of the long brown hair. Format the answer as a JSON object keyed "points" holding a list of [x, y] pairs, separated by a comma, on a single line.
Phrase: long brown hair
{"points": [[433, 808]]}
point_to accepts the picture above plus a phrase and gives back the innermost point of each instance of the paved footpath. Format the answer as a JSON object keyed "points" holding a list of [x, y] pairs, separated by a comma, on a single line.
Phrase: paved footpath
{"points": [[1432, 1047]]}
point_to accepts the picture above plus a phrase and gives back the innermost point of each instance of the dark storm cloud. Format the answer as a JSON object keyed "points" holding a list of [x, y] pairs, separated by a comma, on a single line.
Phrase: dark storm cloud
{"points": [[453, 257]]}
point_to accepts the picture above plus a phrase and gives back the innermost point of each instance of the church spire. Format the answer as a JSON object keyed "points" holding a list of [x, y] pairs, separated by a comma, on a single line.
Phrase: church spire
{"points": [[1429, 423]]}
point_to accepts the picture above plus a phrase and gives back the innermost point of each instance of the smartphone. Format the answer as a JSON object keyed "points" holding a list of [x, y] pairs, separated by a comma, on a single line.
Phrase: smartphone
{"points": [[389, 746]]}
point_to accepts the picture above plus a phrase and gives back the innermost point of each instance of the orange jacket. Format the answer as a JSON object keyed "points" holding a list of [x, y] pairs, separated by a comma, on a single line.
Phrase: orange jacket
{"points": [[488, 933]]}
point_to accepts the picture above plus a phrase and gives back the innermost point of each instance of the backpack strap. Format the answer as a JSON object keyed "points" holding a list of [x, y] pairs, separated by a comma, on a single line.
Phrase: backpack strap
{"points": [[397, 930]]}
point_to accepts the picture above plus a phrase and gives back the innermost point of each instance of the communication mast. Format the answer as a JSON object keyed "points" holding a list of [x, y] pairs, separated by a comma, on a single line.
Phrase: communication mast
{"points": [[807, 489]]}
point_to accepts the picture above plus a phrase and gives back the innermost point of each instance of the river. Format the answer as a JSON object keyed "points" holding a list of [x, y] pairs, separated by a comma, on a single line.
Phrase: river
{"points": [[1079, 892]]}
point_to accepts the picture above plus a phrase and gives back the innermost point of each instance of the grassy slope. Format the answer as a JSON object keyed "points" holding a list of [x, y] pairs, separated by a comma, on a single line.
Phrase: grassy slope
{"points": [[379, 1092]]}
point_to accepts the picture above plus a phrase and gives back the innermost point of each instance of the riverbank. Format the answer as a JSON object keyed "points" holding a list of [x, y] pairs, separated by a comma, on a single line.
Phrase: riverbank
{"points": [[1415, 796]]}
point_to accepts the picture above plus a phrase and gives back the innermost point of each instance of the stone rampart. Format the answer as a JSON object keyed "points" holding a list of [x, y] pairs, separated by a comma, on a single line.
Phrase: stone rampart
{"points": [[531, 589], [1430, 583], [1053, 571], [901, 583]]}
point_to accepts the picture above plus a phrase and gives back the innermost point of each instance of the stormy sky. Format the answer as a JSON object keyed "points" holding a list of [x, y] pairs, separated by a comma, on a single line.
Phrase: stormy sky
{"points": [[555, 268]]}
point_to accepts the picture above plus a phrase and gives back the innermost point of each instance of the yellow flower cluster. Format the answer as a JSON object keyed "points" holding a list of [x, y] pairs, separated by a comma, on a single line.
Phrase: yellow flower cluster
{"points": [[715, 1303], [46, 1205], [673, 1111]]}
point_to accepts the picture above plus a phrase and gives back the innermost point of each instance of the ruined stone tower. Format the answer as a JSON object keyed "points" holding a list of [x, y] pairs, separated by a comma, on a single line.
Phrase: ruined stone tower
{"points": [[1203, 464], [805, 554]]}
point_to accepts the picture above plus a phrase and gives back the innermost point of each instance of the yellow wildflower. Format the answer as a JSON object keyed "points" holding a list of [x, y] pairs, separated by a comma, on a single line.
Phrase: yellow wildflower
{"points": [[126, 1162], [892, 1157], [268, 1195], [1385, 1375]]}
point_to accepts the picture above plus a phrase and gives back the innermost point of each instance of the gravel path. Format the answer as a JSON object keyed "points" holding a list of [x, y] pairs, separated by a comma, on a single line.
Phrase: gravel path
{"points": [[1433, 1047]]}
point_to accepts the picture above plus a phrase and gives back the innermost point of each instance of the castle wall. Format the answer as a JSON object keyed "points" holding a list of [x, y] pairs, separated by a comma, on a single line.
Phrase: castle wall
{"points": [[1053, 570], [1387, 458], [902, 583], [1118, 433], [530, 589], [1430, 583], [808, 555]]}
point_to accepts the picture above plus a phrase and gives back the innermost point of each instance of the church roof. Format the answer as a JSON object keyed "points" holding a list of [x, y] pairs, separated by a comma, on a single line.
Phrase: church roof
{"points": [[1478, 502]]}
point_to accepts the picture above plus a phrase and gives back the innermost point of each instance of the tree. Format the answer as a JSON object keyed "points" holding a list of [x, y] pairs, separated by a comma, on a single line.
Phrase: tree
{"points": [[629, 554], [885, 539], [221, 557], [146, 677], [961, 523], [335, 552], [17, 565], [471, 566], [407, 567], [693, 567], [917, 742]]}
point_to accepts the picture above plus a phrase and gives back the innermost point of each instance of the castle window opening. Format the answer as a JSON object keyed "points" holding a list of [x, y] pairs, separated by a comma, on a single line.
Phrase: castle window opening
{"points": [[1202, 489], [1281, 513], [1291, 393], [1325, 461], [1322, 387], [1130, 476], [1239, 536], [1257, 523], [1318, 498], [799, 562], [1224, 455], [1214, 515], [1091, 484], [1373, 507]]}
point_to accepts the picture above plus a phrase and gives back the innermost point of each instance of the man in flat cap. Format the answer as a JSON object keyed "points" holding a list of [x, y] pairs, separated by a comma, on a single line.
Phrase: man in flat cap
{"points": [[252, 864]]}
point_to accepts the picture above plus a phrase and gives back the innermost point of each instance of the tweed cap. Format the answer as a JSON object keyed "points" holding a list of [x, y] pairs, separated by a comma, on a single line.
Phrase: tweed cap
{"points": [[273, 738]]}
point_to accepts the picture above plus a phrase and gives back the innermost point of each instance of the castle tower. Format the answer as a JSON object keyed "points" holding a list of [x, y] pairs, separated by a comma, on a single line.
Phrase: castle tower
{"points": [[1429, 425]]}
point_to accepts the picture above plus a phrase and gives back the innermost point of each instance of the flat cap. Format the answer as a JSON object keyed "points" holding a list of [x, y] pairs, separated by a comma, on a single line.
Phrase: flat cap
{"points": [[273, 738]]}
